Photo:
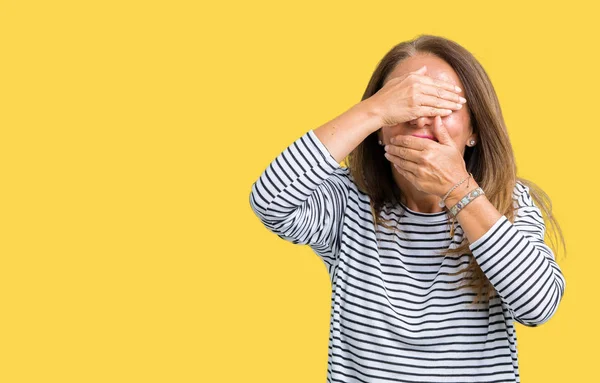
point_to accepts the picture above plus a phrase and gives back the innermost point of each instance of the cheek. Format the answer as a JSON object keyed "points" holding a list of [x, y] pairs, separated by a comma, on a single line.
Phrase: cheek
{"points": [[454, 123], [458, 128]]}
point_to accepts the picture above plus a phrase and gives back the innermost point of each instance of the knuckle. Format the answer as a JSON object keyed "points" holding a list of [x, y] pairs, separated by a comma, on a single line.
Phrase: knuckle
{"points": [[414, 99], [427, 157]]}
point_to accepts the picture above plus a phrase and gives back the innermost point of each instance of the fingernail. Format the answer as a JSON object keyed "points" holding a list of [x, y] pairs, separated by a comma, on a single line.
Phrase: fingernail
{"points": [[462, 99], [386, 148], [457, 88]]}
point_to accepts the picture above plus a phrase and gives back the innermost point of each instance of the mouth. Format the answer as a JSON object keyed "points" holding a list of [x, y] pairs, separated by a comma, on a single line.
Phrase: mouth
{"points": [[425, 136]]}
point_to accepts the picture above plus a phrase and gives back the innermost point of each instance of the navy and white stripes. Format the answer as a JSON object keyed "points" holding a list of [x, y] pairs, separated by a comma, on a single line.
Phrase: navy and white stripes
{"points": [[396, 315], [518, 263], [297, 198]]}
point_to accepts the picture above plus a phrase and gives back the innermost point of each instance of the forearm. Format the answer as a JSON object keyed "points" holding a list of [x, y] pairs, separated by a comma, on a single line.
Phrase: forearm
{"points": [[345, 132], [517, 262], [301, 195]]}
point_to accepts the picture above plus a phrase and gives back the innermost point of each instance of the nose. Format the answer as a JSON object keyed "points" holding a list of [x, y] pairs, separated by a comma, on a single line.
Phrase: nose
{"points": [[422, 121]]}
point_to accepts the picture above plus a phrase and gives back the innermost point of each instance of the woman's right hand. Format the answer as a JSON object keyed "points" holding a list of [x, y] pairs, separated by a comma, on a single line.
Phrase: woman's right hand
{"points": [[414, 95]]}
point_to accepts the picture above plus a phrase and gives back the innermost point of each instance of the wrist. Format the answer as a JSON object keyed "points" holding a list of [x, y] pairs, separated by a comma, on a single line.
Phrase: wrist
{"points": [[371, 112], [461, 191]]}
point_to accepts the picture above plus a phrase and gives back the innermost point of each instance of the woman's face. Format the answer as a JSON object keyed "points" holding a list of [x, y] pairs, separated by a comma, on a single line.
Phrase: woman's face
{"points": [[457, 123]]}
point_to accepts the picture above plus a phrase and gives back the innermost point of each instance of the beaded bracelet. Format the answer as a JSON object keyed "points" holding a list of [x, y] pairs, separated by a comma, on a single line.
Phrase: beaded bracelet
{"points": [[442, 203], [466, 200]]}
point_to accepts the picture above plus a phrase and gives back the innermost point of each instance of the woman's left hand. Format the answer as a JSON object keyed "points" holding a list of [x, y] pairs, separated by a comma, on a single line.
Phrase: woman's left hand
{"points": [[432, 167]]}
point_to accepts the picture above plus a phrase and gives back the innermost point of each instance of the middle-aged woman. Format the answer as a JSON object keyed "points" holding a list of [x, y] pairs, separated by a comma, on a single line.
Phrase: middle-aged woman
{"points": [[433, 245]]}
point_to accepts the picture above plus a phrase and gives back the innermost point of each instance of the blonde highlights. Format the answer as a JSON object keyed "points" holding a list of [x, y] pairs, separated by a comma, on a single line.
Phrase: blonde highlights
{"points": [[491, 161]]}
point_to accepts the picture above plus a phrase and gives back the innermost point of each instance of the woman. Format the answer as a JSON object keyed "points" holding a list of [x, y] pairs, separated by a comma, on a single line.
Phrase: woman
{"points": [[434, 246]]}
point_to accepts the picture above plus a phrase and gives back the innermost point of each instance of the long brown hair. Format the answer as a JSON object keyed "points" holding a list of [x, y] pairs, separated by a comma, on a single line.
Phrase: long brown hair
{"points": [[491, 161]]}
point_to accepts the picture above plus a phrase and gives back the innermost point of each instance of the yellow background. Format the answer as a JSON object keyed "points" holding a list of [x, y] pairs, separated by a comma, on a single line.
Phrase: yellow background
{"points": [[132, 131]]}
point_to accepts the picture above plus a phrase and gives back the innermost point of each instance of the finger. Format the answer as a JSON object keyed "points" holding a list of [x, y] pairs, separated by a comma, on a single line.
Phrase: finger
{"points": [[421, 71], [405, 165], [434, 93], [408, 154], [441, 133], [424, 79], [429, 111], [440, 103], [411, 142], [407, 174]]}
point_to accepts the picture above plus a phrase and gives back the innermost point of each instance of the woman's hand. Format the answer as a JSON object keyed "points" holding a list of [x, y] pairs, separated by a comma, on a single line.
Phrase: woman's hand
{"points": [[414, 95], [432, 167]]}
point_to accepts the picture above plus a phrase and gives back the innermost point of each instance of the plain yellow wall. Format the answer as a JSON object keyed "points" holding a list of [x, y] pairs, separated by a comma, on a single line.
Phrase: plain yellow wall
{"points": [[132, 131]]}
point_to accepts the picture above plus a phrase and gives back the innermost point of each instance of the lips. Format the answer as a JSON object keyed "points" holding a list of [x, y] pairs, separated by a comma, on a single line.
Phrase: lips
{"points": [[425, 136]]}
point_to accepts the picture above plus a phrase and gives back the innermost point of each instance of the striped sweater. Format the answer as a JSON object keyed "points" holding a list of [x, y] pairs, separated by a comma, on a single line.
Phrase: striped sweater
{"points": [[396, 315]]}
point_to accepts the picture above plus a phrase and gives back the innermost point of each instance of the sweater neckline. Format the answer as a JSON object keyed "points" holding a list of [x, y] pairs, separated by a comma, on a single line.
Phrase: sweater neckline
{"points": [[441, 216]]}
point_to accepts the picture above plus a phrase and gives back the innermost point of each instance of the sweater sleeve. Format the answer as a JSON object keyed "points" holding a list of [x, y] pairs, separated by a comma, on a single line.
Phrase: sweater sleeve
{"points": [[302, 195], [518, 263]]}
